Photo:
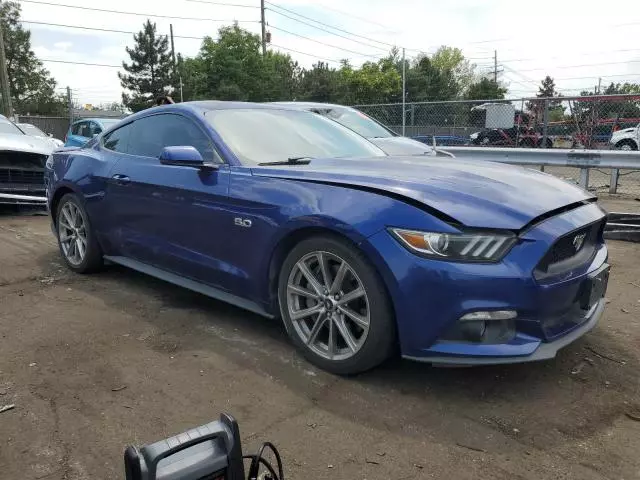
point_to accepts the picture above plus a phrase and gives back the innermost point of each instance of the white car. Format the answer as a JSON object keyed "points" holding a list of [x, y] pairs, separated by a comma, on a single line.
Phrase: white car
{"points": [[34, 131], [22, 160], [626, 139]]}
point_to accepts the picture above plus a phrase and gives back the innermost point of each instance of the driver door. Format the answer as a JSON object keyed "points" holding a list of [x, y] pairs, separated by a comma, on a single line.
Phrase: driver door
{"points": [[171, 217]]}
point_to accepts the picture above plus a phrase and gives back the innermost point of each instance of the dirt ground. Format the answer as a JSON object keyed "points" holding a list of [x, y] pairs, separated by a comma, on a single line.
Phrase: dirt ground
{"points": [[93, 363]]}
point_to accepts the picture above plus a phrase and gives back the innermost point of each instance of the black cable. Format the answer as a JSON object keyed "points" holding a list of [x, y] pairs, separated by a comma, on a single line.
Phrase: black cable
{"points": [[266, 464], [257, 459]]}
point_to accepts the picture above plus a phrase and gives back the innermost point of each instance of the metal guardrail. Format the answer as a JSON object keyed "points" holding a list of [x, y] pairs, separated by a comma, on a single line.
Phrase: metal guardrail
{"points": [[623, 226], [582, 159]]}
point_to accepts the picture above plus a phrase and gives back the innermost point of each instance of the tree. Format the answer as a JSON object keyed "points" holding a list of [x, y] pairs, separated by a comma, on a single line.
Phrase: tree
{"points": [[451, 61], [547, 89], [485, 89], [32, 87], [320, 84], [150, 73]]}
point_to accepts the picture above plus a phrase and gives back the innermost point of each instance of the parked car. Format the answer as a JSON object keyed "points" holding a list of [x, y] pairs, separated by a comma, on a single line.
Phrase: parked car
{"points": [[288, 214], [81, 131], [375, 132], [34, 131], [626, 139], [22, 159], [522, 136]]}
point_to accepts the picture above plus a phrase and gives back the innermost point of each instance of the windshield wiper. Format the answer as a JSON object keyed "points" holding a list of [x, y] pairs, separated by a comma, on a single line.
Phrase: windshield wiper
{"points": [[290, 161]]}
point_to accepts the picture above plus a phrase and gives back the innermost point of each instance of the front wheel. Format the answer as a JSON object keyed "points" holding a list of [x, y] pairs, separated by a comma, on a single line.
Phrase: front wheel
{"points": [[626, 145], [76, 239], [335, 307]]}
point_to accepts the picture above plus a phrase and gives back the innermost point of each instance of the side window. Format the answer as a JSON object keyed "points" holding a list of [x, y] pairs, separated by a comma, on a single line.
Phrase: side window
{"points": [[77, 128], [118, 140], [154, 133]]}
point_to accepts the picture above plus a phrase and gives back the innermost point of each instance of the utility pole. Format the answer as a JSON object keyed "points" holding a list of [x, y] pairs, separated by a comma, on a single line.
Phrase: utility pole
{"points": [[173, 50], [495, 66], [264, 29], [70, 102], [7, 107], [599, 84], [176, 74], [404, 93]]}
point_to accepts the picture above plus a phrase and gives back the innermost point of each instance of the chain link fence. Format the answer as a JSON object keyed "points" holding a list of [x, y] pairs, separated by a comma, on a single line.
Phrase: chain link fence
{"points": [[599, 122], [558, 122]]}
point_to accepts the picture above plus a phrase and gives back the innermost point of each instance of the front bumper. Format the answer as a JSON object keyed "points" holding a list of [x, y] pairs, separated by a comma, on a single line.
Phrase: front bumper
{"points": [[430, 296], [544, 351], [15, 199]]}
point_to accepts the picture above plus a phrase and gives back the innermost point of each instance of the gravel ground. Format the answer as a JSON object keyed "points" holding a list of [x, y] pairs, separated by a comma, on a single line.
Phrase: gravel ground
{"points": [[93, 363]]}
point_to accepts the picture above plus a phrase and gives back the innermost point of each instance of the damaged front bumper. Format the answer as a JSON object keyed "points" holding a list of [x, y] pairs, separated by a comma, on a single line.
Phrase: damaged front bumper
{"points": [[22, 178], [13, 199]]}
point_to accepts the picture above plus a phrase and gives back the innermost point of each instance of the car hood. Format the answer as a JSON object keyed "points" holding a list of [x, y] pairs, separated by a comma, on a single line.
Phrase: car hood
{"points": [[401, 146], [626, 131], [474, 193], [25, 143]]}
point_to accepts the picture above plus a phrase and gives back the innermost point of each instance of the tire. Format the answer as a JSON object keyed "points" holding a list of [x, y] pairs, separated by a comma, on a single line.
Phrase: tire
{"points": [[628, 145], [527, 143], [79, 228], [368, 347]]}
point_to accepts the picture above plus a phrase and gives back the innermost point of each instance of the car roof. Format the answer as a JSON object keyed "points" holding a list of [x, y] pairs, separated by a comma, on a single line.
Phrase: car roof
{"points": [[309, 105], [97, 119]]}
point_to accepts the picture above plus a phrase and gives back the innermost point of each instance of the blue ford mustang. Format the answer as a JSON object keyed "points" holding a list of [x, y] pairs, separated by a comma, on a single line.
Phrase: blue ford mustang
{"points": [[291, 215]]}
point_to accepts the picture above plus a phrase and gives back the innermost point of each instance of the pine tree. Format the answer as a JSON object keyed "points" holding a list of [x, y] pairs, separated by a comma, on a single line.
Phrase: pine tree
{"points": [[150, 73], [547, 89], [32, 87]]}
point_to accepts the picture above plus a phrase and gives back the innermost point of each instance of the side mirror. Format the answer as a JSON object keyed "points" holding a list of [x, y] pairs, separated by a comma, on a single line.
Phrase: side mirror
{"points": [[186, 156], [51, 135]]}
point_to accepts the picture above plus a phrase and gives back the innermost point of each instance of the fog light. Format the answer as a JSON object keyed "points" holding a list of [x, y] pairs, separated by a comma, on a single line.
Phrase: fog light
{"points": [[473, 331], [487, 316]]}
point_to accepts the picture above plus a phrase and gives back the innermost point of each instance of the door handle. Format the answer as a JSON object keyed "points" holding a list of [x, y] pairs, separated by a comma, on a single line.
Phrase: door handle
{"points": [[121, 179]]}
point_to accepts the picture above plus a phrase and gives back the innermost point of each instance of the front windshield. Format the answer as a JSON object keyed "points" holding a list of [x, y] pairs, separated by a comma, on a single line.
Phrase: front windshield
{"points": [[357, 121], [31, 130], [8, 127], [268, 135]]}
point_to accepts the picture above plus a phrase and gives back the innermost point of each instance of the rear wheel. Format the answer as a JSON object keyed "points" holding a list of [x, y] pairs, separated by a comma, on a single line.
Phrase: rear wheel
{"points": [[335, 307], [76, 239]]}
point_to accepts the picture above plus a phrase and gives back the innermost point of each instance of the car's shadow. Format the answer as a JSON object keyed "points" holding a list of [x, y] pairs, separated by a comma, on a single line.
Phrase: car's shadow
{"points": [[538, 405]]}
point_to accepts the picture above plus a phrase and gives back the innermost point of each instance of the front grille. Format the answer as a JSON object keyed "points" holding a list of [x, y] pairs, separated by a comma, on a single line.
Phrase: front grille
{"points": [[24, 177], [565, 255]]}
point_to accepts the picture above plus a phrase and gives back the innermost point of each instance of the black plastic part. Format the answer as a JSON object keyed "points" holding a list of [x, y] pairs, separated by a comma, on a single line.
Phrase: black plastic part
{"points": [[235, 470], [132, 467]]}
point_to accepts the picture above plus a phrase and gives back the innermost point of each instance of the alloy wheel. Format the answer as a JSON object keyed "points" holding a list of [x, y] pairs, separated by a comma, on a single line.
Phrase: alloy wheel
{"points": [[72, 233], [328, 305]]}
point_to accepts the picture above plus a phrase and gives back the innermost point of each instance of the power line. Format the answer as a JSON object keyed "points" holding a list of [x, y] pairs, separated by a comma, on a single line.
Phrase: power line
{"points": [[303, 53], [108, 30], [224, 4], [355, 16], [327, 25], [80, 63], [199, 19], [579, 66], [326, 44], [602, 52]]}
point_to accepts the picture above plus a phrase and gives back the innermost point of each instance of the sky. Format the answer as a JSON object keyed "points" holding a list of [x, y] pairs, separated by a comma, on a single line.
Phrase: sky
{"points": [[576, 42]]}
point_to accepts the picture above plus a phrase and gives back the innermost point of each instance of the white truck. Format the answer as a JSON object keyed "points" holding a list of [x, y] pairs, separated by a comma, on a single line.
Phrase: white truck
{"points": [[626, 139]]}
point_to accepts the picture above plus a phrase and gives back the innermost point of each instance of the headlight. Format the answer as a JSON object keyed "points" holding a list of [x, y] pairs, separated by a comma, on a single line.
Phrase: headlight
{"points": [[466, 247], [473, 136]]}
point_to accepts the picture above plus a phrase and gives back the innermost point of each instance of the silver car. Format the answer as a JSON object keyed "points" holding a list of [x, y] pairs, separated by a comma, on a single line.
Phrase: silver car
{"points": [[22, 159], [390, 142]]}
